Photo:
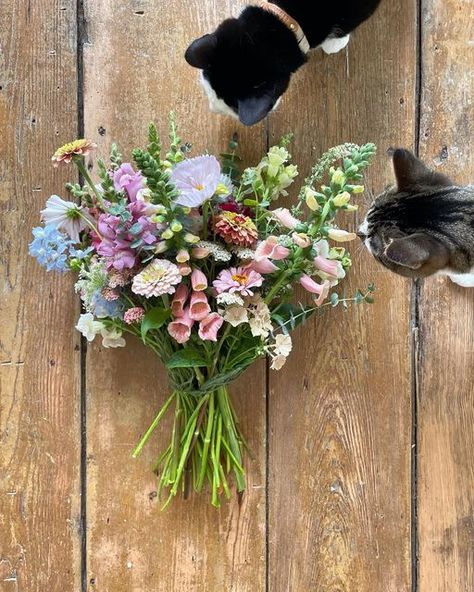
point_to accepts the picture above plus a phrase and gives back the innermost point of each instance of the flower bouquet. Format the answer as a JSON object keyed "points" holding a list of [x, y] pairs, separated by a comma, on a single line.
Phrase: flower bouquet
{"points": [[191, 256]]}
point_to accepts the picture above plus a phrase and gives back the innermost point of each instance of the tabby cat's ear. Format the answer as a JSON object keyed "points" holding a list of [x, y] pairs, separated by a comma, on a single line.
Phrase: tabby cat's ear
{"points": [[411, 173], [201, 51], [416, 250]]}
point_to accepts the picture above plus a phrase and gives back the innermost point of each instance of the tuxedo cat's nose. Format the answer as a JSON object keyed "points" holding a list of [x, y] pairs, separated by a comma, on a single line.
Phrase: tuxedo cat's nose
{"points": [[361, 235]]}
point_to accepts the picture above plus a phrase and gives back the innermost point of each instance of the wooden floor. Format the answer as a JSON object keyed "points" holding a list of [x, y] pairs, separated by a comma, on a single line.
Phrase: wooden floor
{"points": [[363, 479]]}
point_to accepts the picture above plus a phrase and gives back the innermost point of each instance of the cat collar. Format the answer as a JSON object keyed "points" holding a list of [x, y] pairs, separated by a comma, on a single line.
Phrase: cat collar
{"points": [[293, 25]]}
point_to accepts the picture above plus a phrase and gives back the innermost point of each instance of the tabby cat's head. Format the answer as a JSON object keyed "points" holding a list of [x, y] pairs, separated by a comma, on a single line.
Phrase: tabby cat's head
{"points": [[423, 224]]}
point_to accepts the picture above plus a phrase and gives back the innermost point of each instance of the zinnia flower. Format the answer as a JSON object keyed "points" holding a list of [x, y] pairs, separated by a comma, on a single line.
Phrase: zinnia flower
{"points": [[158, 278], [88, 327], [236, 229], [127, 179], [196, 180], [67, 152], [238, 279], [209, 327], [270, 248], [180, 328], [64, 215]]}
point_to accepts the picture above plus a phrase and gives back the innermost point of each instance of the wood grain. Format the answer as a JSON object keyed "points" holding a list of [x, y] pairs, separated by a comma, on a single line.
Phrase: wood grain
{"points": [[39, 355], [129, 80], [339, 414], [446, 389]]}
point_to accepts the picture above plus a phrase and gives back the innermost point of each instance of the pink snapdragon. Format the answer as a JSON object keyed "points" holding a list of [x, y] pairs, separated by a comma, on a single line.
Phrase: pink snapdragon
{"points": [[270, 248], [322, 290], [285, 218], [198, 280], [179, 300], [199, 307], [127, 179], [209, 327], [327, 266], [180, 328]]}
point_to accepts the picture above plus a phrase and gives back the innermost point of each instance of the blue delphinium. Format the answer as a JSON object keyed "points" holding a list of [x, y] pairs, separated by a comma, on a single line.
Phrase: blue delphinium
{"points": [[50, 247]]}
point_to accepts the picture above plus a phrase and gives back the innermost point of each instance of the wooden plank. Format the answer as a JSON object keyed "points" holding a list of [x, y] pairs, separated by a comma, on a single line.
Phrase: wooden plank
{"points": [[446, 389], [129, 80], [39, 349], [339, 487]]}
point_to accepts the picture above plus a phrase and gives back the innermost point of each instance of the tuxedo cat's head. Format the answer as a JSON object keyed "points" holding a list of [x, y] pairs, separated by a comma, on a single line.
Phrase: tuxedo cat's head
{"points": [[246, 64], [423, 224]]}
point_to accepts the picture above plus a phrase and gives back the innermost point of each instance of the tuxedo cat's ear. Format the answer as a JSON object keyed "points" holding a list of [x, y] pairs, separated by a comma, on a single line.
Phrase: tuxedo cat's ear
{"points": [[201, 51], [410, 172], [416, 250], [254, 109]]}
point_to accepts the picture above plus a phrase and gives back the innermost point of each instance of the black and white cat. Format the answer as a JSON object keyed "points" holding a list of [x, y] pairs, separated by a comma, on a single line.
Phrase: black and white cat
{"points": [[248, 61], [424, 225]]}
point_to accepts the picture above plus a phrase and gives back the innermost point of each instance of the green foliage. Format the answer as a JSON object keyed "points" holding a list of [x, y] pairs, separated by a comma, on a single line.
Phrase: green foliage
{"points": [[289, 316], [163, 191], [115, 157], [177, 151], [154, 142], [154, 319], [186, 358], [230, 159]]}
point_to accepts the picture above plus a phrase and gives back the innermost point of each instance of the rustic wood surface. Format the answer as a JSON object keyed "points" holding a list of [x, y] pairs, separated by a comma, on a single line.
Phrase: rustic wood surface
{"points": [[446, 337], [39, 348], [346, 497], [340, 418]]}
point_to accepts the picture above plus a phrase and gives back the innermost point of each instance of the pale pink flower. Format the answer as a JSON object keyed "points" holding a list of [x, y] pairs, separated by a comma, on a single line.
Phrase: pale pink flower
{"points": [[198, 280], [158, 278], [322, 290], [278, 362], [182, 256], [209, 327], [196, 180], [199, 307], [200, 253], [263, 266], [271, 249], [238, 279], [236, 315], [184, 269], [134, 315], [180, 328], [285, 218], [179, 300], [301, 240], [327, 265]]}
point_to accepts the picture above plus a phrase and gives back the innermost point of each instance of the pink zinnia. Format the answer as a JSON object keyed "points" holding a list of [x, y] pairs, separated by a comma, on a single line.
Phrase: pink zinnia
{"points": [[134, 315], [180, 328], [322, 290], [238, 279], [271, 249], [209, 327], [199, 306]]}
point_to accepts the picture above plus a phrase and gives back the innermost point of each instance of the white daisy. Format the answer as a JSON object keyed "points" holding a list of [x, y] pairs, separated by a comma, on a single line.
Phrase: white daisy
{"points": [[64, 215]]}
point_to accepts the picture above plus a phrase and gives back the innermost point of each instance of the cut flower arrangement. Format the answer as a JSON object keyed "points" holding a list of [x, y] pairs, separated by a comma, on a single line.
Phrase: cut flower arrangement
{"points": [[193, 258]]}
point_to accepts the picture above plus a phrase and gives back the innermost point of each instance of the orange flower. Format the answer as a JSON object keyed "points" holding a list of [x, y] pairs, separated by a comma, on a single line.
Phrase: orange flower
{"points": [[236, 229], [67, 152]]}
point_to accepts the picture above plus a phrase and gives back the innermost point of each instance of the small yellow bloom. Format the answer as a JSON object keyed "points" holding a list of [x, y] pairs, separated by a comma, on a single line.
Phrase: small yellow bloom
{"points": [[341, 236], [167, 234], [67, 152], [338, 178], [358, 189], [311, 201], [342, 199]]}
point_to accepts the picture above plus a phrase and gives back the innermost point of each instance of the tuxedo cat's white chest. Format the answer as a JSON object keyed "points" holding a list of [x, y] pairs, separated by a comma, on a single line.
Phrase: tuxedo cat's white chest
{"points": [[465, 280]]}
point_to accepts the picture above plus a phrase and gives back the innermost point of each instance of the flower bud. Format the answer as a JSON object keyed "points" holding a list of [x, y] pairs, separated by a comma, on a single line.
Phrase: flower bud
{"points": [[311, 201], [338, 178], [167, 234], [352, 208], [341, 236], [342, 199], [358, 189], [176, 226], [191, 238], [200, 252], [182, 256], [161, 247]]}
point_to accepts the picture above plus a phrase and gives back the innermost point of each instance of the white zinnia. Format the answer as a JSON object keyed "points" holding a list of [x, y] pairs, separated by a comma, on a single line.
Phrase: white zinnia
{"points": [[65, 215], [88, 327], [236, 315], [158, 278], [112, 338]]}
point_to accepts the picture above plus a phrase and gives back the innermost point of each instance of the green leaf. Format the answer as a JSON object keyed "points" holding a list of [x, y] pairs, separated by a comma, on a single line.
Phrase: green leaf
{"points": [[289, 316], [154, 319], [186, 358], [334, 299]]}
